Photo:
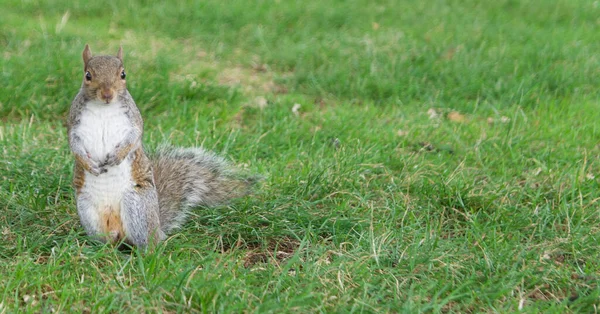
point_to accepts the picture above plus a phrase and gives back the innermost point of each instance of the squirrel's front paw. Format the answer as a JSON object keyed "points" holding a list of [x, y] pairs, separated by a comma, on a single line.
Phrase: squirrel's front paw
{"points": [[92, 167], [95, 170], [112, 159]]}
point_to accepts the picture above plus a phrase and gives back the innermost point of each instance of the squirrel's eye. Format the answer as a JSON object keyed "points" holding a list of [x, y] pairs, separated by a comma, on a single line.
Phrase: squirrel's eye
{"points": [[88, 76], [123, 75]]}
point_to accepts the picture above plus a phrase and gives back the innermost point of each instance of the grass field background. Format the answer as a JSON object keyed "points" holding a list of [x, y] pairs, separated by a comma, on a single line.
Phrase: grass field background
{"points": [[418, 156]]}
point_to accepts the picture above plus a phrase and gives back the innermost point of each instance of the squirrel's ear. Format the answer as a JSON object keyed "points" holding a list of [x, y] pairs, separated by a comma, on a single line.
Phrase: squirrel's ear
{"points": [[87, 54], [120, 54]]}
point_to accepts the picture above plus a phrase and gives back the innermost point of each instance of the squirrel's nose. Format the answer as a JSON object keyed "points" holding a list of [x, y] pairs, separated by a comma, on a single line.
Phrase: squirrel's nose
{"points": [[107, 95]]}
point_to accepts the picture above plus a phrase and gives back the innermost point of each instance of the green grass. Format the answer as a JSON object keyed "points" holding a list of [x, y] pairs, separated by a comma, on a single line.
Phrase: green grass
{"points": [[377, 197]]}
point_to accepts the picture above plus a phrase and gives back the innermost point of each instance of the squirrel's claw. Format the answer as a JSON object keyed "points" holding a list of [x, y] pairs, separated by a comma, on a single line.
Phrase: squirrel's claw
{"points": [[111, 160], [95, 171], [94, 168]]}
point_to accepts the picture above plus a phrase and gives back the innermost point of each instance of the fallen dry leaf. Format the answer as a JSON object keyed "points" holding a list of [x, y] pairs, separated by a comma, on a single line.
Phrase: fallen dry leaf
{"points": [[27, 298], [261, 102], [456, 117], [502, 119], [296, 109], [375, 26], [433, 114], [402, 133]]}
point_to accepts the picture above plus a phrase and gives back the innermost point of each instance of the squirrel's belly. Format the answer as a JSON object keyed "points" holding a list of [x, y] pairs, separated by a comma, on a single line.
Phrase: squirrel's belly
{"points": [[108, 188], [106, 192]]}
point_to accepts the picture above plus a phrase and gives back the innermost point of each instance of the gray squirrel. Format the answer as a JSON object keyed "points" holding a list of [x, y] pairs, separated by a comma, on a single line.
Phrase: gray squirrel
{"points": [[122, 194]]}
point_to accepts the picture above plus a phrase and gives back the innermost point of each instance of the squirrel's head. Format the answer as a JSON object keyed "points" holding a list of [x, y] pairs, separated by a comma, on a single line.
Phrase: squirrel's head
{"points": [[103, 76]]}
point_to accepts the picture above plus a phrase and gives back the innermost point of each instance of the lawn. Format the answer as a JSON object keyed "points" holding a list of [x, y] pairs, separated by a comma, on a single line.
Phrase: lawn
{"points": [[416, 156]]}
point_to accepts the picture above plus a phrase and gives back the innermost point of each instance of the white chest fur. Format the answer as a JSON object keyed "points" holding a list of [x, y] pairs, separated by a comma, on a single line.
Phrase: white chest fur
{"points": [[101, 128]]}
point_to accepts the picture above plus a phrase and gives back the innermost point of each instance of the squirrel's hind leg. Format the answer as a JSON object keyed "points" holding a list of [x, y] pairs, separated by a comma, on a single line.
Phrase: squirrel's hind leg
{"points": [[89, 216], [139, 214], [100, 222]]}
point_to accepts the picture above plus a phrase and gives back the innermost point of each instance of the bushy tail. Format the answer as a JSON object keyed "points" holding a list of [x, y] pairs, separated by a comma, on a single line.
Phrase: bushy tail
{"points": [[191, 177]]}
